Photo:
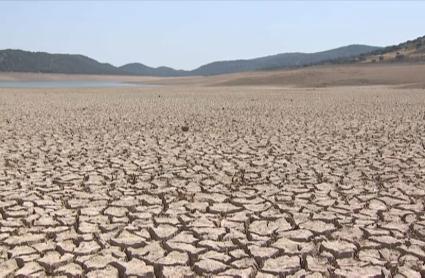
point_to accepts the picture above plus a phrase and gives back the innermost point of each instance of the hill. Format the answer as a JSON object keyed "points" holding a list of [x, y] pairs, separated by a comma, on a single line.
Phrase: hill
{"points": [[279, 61], [24, 61], [409, 51], [141, 69], [412, 51], [282, 61], [389, 74]]}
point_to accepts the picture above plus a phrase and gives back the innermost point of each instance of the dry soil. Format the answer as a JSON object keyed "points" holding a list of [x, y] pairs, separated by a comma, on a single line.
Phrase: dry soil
{"points": [[231, 182]]}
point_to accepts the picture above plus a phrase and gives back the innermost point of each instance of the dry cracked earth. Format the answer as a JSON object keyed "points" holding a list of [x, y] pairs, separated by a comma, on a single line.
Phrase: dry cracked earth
{"points": [[201, 182]]}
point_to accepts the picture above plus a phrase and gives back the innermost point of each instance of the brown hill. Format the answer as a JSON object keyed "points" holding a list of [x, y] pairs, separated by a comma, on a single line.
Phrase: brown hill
{"points": [[412, 51], [397, 74]]}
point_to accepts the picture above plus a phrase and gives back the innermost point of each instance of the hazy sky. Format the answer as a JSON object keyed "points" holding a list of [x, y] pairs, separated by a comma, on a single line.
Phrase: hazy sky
{"points": [[188, 34]]}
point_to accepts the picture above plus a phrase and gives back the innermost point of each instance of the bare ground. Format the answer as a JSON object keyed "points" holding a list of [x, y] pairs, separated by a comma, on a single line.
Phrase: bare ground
{"points": [[264, 182], [335, 76], [396, 74]]}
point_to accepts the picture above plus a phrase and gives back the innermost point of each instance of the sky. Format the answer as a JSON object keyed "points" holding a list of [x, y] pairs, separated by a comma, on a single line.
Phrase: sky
{"points": [[185, 35]]}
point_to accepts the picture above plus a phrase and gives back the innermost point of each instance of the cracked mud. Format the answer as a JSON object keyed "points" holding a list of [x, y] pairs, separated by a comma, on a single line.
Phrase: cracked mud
{"points": [[188, 182]]}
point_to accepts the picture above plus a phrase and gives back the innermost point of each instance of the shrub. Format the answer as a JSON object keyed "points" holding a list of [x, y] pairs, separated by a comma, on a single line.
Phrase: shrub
{"points": [[399, 56]]}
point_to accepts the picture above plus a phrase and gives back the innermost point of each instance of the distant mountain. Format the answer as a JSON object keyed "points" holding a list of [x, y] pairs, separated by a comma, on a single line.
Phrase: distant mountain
{"points": [[141, 69], [280, 61], [25, 61]]}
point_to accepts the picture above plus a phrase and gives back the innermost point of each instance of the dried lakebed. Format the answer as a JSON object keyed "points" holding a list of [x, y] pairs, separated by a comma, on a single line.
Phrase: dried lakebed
{"points": [[52, 84], [259, 183]]}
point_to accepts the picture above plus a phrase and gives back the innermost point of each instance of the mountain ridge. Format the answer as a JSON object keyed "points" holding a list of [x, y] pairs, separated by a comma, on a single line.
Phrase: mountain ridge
{"points": [[15, 60], [142, 69], [25, 61], [285, 60]]}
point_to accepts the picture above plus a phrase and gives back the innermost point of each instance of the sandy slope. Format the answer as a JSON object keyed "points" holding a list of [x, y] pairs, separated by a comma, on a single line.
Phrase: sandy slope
{"points": [[265, 182], [329, 76]]}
